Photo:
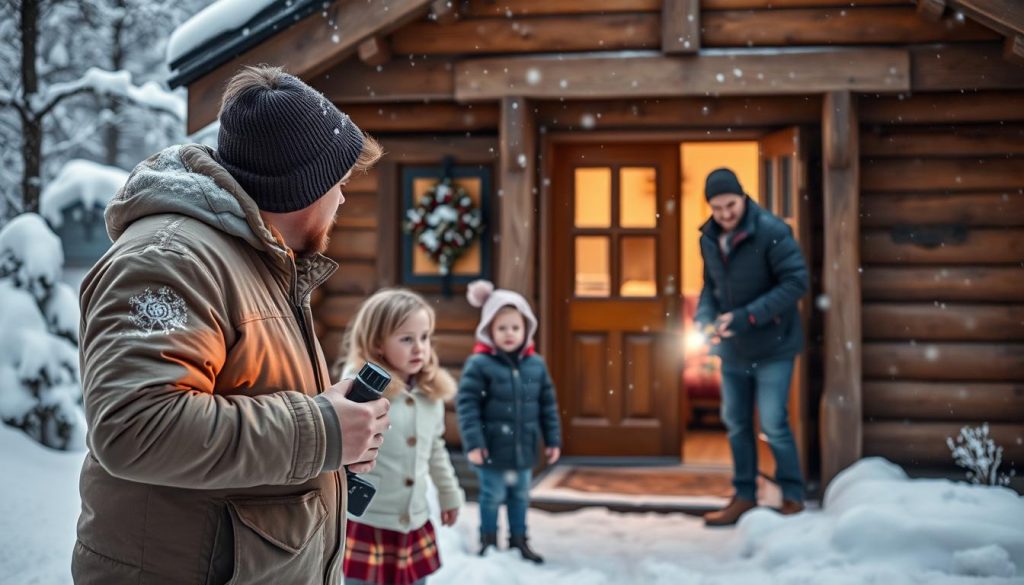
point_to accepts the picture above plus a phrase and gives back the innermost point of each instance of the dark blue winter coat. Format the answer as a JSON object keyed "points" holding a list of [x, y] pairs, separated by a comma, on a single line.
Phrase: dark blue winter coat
{"points": [[760, 281], [506, 405]]}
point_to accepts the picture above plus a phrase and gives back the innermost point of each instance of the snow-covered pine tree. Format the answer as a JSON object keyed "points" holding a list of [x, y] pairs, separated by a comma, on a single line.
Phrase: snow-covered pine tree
{"points": [[40, 388], [83, 79]]}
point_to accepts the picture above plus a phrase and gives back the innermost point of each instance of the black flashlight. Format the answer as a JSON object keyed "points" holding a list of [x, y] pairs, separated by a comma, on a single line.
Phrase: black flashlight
{"points": [[369, 385]]}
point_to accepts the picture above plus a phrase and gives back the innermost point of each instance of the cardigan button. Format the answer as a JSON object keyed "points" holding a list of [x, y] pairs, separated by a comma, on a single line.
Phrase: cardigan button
{"points": [[409, 481], [410, 401], [404, 518], [411, 441]]}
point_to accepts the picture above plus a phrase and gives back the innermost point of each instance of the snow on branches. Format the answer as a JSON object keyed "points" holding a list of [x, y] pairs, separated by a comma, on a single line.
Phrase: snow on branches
{"points": [[40, 391], [977, 452]]}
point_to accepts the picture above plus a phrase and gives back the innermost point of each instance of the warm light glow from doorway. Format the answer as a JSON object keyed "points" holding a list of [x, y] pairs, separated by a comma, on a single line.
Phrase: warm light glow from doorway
{"points": [[697, 159]]}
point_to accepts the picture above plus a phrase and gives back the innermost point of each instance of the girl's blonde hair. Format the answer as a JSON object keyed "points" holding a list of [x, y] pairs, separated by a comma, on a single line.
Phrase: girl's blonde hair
{"points": [[378, 318]]}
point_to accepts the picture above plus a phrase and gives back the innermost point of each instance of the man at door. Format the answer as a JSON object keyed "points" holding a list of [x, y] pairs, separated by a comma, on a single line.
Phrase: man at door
{"points": [[754, 276]]}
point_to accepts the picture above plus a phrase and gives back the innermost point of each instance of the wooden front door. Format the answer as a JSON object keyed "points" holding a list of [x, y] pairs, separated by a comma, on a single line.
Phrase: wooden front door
{"points": [[614, 281], [784, 192]]}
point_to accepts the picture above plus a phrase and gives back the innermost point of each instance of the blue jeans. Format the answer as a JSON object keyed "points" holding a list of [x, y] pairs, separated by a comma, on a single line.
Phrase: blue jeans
{"points": [[765, 384], [509, 487]]}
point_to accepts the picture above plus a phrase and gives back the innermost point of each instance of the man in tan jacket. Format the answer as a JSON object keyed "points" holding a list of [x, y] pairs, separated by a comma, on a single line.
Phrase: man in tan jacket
{"points": [[215, 435]]}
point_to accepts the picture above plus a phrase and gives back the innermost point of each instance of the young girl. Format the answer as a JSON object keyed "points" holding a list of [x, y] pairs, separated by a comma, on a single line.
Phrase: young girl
{"points": [[393, 542], [506, 402]]}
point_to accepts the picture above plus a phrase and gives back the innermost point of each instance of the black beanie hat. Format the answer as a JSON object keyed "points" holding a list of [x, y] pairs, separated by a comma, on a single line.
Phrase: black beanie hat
{"points": [[721, 181], [286, 145]]}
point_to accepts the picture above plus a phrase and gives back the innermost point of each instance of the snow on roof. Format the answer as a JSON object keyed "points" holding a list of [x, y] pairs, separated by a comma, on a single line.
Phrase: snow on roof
{"points": [[217, 18], [87, 182]]}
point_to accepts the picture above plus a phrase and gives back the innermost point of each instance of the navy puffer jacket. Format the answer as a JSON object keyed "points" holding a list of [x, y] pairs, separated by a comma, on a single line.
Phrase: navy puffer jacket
{"points": [[506, 405], [760, 281]]}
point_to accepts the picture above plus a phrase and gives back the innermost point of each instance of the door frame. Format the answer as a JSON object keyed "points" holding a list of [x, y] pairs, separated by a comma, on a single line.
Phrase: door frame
{"points": [[551, 141]]}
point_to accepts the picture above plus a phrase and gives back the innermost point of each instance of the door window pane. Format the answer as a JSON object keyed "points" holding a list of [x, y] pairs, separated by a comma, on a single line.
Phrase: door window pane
{"points": [[639, 267], [592, 270], [593, 198], [768, 181], [638, 197], [786, 188]]}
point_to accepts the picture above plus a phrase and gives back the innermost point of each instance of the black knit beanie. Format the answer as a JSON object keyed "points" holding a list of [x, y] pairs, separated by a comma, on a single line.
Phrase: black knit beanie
{"points": [[286, 145], [720, 182]]}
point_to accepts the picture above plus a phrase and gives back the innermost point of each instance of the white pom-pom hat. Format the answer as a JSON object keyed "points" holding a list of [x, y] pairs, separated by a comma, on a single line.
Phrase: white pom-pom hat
{"points": [[482, 294]]}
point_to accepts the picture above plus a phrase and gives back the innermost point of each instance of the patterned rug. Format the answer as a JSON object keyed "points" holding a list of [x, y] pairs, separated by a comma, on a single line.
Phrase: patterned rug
{"points": [[665, 487]]}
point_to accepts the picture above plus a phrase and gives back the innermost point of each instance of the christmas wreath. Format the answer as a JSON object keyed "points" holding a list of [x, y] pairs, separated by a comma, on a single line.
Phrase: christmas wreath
{"points": [[444, 223]]}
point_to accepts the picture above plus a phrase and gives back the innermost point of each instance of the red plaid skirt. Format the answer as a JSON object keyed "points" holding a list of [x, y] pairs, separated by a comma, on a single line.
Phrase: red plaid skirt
{"points": [[386, 557]]}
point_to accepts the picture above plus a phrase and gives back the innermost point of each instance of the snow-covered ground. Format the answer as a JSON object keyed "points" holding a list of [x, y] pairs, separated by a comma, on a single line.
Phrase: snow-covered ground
{"points": [[877, 527]]}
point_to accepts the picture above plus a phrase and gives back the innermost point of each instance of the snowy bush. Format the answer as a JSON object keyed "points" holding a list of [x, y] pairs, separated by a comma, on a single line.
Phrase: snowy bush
{"points": [[40, 390], [975, 451]]}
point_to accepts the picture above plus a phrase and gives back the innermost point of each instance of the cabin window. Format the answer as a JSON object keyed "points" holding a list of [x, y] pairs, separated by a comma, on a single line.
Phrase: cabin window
{"points": [[593, 270], [786, 188], [593, 197], [768, 180], [638, 200], [418, 267]]}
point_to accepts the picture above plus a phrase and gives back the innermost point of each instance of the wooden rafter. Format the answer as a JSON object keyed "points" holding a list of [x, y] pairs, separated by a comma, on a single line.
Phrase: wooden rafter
{"points": [[931, 9], [444, 11], [306, 49], [680, 26], [375, 51], [1013, 50], [743, 73], [1006, 17]]}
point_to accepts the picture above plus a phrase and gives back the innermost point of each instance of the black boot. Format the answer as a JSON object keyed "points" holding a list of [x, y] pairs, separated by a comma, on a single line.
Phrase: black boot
{"points": [[520, 542], [487, 541]]}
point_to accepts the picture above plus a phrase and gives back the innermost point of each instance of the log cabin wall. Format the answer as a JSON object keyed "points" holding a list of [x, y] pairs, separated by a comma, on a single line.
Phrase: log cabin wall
{"points": [[942, 245], [942, 326]]}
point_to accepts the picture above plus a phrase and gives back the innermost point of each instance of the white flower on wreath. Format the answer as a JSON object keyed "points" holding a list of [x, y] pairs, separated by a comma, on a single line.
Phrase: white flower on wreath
{"points": [[446, 213], [442, 190], [429, 239]]}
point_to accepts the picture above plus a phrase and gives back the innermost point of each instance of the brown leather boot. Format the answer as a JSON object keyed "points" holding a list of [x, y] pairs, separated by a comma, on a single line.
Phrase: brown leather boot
{"points": [[486, 542], [790, 507], [730, 514]]}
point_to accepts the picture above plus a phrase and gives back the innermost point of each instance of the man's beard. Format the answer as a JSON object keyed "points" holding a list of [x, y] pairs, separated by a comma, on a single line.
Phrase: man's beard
{"points": [[317, 243]]}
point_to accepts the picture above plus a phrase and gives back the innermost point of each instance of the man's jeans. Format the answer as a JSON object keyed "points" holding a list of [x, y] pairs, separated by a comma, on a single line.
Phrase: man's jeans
{"points": [[765, 384], [509, 487]]}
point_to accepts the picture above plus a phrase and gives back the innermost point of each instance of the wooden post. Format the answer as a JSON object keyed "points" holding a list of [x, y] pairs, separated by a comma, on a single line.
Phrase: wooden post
{"points": [[680, 26], [841, 410], [516, 197]]}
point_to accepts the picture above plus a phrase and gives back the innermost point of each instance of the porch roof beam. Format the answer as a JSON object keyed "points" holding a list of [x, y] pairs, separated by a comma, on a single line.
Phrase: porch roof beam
{"points": [[1004, 16], [306, 49], [753, 72]]}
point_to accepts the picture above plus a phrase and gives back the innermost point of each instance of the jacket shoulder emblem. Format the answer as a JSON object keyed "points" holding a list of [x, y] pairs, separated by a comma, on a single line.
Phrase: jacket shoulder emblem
{"points": [[157, 312]]}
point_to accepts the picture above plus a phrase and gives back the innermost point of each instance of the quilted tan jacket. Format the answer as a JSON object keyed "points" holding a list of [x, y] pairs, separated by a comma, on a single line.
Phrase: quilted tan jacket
{"points": [[209, 458]]}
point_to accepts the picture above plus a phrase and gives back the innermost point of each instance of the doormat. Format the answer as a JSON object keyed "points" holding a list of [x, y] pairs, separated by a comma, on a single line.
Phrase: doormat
{"points": [[682, 487]]}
